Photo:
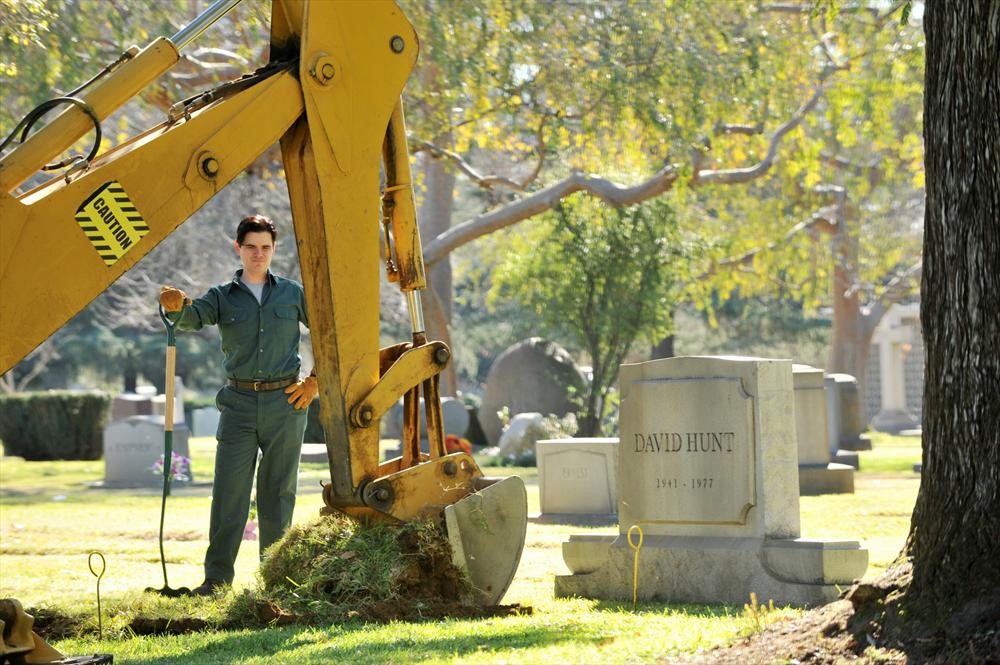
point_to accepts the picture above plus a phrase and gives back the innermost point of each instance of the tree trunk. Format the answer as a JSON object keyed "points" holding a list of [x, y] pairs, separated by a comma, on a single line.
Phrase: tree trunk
{"points": [[956, 522], [435, 219], [849, 346], [663, 349]]}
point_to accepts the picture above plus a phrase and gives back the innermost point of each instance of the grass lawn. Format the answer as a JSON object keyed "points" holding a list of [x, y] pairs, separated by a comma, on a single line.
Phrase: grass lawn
{"points": [[50, 519]]}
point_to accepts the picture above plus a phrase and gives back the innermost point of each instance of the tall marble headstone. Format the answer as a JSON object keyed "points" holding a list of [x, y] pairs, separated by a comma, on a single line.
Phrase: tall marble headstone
{"points": [[818, 472], [708, 470]]}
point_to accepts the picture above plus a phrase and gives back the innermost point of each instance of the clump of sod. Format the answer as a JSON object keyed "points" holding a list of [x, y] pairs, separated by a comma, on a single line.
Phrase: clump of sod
{"points": [[337, 569]]}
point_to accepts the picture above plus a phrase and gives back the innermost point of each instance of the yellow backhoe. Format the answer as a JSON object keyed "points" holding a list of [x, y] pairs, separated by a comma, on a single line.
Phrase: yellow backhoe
{"points": [[330, 95]]}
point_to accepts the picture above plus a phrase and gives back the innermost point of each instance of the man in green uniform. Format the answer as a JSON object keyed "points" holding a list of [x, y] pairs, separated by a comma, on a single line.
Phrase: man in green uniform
{"points": [[263, 404]]}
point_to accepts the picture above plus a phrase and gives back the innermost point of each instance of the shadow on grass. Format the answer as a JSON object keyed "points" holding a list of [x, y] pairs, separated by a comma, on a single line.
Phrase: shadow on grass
{"points": [[341, 644], [687, 609]]}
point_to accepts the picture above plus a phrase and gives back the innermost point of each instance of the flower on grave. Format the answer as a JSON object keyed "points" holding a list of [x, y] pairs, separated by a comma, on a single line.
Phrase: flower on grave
{"points": [[250, 530], [180, 467], [457, 444]]}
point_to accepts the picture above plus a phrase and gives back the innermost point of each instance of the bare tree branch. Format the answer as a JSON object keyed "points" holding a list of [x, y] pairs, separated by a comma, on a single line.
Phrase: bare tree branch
{"points": [[749, 130], [898, 288], [732, 176], [613, 193], [483, 181], [823, 220]]}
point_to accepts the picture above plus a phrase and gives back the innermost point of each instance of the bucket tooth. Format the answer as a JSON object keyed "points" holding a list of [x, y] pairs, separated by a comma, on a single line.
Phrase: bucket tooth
{"points": [[486, 530]]}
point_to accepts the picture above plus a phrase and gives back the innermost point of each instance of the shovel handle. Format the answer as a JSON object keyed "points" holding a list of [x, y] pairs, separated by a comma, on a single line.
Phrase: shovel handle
{"points": [[168, 412]]}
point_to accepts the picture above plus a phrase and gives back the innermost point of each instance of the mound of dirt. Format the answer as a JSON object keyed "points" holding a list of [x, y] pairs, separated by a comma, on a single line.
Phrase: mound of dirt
{"points": [[336, 569], [866, 626], [53, 625]]}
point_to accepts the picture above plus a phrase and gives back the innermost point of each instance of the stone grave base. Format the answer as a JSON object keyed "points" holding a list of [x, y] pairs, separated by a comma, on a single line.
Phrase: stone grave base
{"points": [[578, 519], [832, 478], [314, 453], [893, 421], [848, 457], [860, 442], [696, 569]]}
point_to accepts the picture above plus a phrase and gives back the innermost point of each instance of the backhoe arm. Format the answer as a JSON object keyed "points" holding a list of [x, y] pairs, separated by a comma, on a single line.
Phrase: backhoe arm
{"points": [[331, 96]]}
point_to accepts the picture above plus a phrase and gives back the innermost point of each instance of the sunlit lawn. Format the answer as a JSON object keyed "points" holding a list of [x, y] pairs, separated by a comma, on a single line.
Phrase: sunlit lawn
{"points": [[50, 519]]}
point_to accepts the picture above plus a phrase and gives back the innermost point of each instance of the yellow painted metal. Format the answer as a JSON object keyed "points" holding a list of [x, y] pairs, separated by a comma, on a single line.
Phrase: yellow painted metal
{"points": [[423, 490], [338, 117], [104, 97], [332, 167], [18, 642], [432, 410], [410, 369], [47, 261], [406, 265]]}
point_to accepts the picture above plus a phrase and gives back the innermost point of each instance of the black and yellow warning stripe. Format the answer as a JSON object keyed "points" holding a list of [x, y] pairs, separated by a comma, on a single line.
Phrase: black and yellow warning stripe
{"points": [[111, 222]]}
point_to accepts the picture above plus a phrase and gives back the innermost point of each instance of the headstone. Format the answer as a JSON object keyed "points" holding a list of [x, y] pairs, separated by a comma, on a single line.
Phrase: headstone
{"points": [[846, 414], [205, 422], [159, 402], [531, 376], [818, 474], [577, 477], [315, 453], [131, 404], [708, 470], [392, 421], [515, 439], [133, 445], [454, 417]]}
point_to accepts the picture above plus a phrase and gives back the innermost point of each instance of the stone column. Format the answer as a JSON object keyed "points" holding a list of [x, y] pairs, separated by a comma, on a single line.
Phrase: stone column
{"points": [[894, 338]]}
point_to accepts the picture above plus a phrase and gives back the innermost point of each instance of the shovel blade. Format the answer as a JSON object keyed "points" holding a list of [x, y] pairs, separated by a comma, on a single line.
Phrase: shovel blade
{"points": [[486, 530]]}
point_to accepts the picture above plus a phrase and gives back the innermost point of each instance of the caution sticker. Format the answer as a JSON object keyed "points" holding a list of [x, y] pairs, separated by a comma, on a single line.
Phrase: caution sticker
{"points": [[111, 222]]}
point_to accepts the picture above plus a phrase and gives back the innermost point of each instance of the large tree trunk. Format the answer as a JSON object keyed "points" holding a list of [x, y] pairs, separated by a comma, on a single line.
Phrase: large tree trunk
{"points": [[956, 522], [435, 219]]}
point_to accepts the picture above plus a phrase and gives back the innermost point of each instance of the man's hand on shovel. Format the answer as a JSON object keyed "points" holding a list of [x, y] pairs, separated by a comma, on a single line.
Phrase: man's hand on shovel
{"points": [[303, 392], [173, 299]]}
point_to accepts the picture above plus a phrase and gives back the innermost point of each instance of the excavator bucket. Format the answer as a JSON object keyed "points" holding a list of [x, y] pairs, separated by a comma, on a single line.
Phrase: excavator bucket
{"points": [[486, 530]]}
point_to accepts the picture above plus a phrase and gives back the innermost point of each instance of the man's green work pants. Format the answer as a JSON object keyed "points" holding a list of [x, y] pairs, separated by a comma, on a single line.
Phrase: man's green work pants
{"points": [[250, 421]]}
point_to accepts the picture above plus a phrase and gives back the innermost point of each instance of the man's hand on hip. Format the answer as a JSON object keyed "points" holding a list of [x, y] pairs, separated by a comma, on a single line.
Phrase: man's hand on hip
{"points": [[303, 392], [172, 299]]}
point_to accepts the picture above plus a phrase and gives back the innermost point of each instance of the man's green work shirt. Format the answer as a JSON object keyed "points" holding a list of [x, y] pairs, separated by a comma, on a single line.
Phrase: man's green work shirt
{"points": [[260, 340]]}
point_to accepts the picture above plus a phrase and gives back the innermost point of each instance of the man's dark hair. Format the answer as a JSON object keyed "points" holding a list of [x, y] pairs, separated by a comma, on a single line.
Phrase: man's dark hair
{"points": [[255, 224]]}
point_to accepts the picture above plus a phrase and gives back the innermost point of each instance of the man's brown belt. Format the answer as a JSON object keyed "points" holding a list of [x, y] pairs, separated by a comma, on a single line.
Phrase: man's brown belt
{"points": [[258, 386]]}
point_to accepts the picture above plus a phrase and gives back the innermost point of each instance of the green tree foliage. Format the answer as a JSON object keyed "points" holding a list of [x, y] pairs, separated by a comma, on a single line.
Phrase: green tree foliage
{"points": [[788, 137], [604, 278]]}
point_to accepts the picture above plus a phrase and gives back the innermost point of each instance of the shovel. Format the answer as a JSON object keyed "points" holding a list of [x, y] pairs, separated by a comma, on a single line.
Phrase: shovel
{"points": [[168, 451]]}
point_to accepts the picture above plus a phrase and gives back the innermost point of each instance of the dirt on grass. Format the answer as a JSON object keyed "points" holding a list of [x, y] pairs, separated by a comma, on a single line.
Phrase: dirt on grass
{"points": [[333, 570], [865, 626]]}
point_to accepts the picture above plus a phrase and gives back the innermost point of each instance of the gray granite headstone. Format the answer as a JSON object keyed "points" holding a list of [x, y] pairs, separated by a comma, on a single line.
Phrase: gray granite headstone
{"points": [[533, 375], [454, 415], [205, 422], [133, 445], [131, 404]]}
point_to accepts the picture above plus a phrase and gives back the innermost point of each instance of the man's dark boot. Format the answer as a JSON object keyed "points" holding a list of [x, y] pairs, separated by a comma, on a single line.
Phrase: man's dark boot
{"points": [[209, 587]]}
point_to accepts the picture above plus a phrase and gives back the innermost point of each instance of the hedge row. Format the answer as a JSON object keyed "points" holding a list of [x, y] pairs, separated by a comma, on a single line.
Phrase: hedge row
{"points": [[54, 425]]}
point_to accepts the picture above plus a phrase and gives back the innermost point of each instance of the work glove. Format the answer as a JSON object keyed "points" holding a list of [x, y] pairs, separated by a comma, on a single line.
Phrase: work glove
{"points": [[303, 392], [173, 300]]}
